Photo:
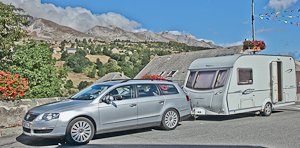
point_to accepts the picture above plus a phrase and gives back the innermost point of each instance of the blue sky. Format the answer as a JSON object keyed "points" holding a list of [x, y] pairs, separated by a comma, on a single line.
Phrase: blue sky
{"points": [[225, 22]]}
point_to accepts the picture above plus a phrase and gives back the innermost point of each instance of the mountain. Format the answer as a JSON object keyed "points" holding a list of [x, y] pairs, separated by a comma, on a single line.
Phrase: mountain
{"points": [[187, 39], [112, 33], [42, 29]]}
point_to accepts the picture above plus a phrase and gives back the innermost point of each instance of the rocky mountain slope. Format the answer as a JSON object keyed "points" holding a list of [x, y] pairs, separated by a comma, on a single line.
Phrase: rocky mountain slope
{"points": [[43, 29], [47, 30], [112, 33]]}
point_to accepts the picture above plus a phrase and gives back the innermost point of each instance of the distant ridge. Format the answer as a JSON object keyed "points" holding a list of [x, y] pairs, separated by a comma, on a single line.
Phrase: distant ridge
{"points": [[42, 29]]}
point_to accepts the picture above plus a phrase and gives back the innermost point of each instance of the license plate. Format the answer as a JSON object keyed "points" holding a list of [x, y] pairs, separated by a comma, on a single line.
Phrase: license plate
{"points": [[26, 124], [198, 111]]}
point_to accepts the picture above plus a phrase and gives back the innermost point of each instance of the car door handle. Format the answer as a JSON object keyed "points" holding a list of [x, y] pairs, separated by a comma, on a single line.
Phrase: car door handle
{"points": [[161, 102], [132, 105]]}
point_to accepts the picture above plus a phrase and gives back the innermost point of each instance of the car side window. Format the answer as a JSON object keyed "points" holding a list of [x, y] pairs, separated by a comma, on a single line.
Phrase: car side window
{"points": [[147, 90], [123, 92], [168, 89]]}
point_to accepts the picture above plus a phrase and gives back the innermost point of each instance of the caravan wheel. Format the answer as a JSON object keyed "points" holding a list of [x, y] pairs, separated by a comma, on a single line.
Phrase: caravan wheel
{"points": [[267, 110]]}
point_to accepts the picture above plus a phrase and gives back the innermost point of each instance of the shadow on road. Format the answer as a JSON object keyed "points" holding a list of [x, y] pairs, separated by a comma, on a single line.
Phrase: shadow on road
{"points": [[59, 143], [37, 141], [121, 133], [228, 117], [160, 146]]}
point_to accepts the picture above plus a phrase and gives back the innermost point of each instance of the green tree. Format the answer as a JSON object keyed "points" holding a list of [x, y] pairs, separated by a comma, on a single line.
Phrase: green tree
{"points": [[12, 22], [92, 73], [35, 63], [83, 84], [101, 72], [62, 45], [84, 42], [98, 63], [81, 52], [64, 55], [134, 57], [69, 84]]}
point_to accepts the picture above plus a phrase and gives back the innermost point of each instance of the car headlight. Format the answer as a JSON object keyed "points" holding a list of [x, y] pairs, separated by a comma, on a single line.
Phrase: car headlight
{"points": [[50, 116]]}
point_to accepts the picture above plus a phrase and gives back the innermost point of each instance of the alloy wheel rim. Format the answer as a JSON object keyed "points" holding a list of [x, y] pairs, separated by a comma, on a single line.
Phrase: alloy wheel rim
{"points": [[268, 108], [171, 119], [81, 131]]}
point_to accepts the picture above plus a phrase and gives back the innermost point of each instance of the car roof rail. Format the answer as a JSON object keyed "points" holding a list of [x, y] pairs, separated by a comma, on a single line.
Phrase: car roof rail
{"points": [[116, 80], [126, 80], [152, 80], [227, 54]]}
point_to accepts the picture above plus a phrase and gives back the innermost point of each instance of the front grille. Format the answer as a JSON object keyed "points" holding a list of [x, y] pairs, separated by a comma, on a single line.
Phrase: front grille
{"points": [[30, 116], [43, 131], [27, 130]]}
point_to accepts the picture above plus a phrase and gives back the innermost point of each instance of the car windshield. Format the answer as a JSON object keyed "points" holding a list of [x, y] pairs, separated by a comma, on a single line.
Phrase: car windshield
{"points": [[91, 92]]}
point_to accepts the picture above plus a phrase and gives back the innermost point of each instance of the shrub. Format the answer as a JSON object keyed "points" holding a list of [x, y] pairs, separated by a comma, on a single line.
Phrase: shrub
{"points": [[153, 77], [11, 86]]}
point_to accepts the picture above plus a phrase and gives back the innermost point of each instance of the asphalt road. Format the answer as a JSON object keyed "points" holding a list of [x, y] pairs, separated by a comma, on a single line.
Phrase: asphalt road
{"points": [[280, 130]]}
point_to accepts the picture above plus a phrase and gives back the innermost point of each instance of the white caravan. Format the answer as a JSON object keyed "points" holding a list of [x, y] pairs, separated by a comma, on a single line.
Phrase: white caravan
{"points": [[235, 84]]}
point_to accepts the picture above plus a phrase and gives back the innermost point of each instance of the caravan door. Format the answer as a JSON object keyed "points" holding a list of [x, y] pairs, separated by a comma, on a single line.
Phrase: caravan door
{"points": [[276, 81]]}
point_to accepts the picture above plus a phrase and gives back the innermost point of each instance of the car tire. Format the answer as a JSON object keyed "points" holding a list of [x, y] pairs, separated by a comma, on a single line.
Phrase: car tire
{"points": [[170, 119], [80, 131], [267, 109]]}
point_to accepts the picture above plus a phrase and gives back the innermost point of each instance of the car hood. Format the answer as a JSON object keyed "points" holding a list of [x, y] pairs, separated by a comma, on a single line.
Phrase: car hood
{"points": [[59, 106]]}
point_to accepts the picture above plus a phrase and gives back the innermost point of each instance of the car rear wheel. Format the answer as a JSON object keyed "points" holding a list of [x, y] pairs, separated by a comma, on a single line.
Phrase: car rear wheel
{"points": [[80, 131], [170, 119]]}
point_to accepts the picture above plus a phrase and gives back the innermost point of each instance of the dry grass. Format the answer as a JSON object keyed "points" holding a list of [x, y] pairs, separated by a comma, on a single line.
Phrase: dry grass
{"points": [[78, 77], [92, 58], [59, 64], [57, 56], [102, 58]]}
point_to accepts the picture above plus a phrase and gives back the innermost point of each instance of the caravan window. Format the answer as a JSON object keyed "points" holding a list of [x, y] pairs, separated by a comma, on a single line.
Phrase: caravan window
{"points": [[221, 79], [204, 79], [191, 79], [207, 79], [244, 76]]}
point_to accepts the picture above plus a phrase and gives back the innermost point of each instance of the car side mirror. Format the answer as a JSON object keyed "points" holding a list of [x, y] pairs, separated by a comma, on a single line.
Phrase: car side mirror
{"points": [[109, 99], [118, 97]]}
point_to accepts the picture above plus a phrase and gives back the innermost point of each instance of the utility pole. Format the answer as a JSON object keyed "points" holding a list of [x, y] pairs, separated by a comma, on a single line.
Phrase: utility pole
{"points": [[253, 31]]}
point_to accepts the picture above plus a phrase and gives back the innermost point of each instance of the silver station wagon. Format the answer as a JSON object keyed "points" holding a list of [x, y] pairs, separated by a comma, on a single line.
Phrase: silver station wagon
{"points": [[109, 107]]}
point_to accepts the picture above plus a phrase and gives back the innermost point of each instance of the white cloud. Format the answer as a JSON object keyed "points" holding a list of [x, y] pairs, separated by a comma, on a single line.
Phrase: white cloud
{"points": [[262, 30], [231, 44], [206, 40], [279, 5], [176, 32], [294, 54], [258, 31], [77, 18]]}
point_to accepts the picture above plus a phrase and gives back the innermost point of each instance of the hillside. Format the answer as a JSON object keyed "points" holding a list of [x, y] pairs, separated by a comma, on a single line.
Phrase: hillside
{"points": [[43, 29], [78, 77]]}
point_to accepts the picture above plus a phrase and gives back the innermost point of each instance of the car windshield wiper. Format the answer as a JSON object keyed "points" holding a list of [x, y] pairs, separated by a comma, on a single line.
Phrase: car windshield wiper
{"points": [[81, 99]]}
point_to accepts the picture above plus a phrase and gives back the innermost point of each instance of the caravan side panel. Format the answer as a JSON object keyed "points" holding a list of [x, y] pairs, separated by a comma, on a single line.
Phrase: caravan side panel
{"points": [[251, 84]]}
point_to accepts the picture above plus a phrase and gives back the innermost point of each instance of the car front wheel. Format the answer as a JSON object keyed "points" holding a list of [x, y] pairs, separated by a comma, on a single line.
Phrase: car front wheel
{"points": [[80, 131]]}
